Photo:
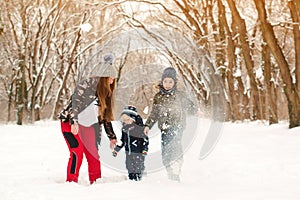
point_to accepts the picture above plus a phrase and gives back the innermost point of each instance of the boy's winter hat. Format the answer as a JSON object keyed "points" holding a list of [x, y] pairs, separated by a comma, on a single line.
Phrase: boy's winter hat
{"points": [[169, 72], [130, 111], [106, 67]]}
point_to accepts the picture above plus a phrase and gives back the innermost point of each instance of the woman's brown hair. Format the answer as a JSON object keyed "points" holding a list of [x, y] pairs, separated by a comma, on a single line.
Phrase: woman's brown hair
{"points": [[106, 98]]}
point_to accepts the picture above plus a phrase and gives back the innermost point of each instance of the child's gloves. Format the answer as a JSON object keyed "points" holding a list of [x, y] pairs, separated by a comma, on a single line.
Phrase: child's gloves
{"points": [[114, 153], [144, 153]]}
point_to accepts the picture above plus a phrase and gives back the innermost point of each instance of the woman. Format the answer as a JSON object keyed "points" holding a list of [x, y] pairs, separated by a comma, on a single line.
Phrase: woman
{"points": [[90, 107]]}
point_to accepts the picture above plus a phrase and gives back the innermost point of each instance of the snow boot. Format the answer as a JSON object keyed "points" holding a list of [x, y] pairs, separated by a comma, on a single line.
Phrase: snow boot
{"points": [[138, 176], [131, 176]]}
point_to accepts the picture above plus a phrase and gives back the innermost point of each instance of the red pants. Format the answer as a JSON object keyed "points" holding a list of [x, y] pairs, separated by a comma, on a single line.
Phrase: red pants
{"points": [[82, 143]]}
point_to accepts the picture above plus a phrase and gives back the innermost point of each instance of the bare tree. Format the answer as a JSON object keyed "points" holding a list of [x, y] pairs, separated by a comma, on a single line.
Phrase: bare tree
{"points": [[289, 87], [295, 15], [241, 28], [18, 43], [233, 110], [272, 110], [48, 48]]}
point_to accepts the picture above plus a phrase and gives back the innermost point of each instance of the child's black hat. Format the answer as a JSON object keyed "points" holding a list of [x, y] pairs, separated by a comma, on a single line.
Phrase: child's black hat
{"points": [[130, 111]]}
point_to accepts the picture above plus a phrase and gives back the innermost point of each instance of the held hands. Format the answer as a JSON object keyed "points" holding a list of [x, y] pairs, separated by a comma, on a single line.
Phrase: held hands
{"points": [[114, 153], [144, 153], [113, 143]]}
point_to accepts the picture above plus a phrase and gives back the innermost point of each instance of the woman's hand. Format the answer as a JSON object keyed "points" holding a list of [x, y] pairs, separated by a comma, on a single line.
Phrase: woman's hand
{"points": [[146, 130], [74, 128], [113, 143]]}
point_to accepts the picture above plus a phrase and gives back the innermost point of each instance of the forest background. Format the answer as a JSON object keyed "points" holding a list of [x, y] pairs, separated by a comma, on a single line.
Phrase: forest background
{"points": [[239, 59]]}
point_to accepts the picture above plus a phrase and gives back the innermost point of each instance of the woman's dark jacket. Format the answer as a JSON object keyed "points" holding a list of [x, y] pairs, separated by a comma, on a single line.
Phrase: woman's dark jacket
{"points": [[84, 94]]}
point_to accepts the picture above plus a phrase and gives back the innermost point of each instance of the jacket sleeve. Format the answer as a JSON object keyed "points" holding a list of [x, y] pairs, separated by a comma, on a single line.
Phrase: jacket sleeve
{"points": [[145, 144], [119, 147], [187, 104], [64, 115], [109, 130], [153, 117], [84, 94]]}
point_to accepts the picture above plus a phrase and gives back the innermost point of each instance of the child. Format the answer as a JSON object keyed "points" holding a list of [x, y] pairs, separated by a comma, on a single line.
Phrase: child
{"points": [[169, 107], [135, 142]]}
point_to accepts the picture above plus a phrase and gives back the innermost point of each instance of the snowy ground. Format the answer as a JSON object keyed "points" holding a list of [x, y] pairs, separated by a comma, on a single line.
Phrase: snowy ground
{"points": [[252, 161]]}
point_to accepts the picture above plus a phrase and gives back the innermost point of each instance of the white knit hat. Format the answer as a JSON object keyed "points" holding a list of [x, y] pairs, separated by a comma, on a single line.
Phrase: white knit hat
{"points": [[106, 68]]}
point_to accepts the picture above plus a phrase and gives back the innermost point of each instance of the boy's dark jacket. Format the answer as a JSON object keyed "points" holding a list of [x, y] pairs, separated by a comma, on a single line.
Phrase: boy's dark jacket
{"points": [[170, 109], [133, 137]]}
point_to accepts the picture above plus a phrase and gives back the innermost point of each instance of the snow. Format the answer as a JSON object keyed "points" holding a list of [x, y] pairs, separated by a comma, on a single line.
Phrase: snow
{"points": [[86, 27], [251, 161], [146, 110], [237, 73]]}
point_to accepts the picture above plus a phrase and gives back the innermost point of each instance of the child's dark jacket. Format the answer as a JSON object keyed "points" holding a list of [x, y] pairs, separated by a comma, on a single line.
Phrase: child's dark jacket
{"points": [[170, 109], [133, 138]]}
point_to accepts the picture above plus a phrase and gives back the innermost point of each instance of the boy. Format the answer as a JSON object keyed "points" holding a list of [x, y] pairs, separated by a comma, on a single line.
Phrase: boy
{"points": [[169, 110], [135, 142]]}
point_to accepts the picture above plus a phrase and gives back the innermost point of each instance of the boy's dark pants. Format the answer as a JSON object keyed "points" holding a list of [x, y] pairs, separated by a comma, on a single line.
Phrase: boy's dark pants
{"points": [[135, 165]]}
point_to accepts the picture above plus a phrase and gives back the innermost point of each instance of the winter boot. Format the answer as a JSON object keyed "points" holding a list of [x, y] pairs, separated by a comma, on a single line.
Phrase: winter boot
{"points": [[138, 176], [132, 176]]}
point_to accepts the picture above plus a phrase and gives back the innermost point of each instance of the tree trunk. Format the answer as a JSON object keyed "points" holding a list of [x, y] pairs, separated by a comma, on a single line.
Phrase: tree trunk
{"points": [[297, 6], [272, 112], [296, 31], [288, 86], [235, 115], [21, 92], [243, 99], [9, 105], [241, 26]]}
